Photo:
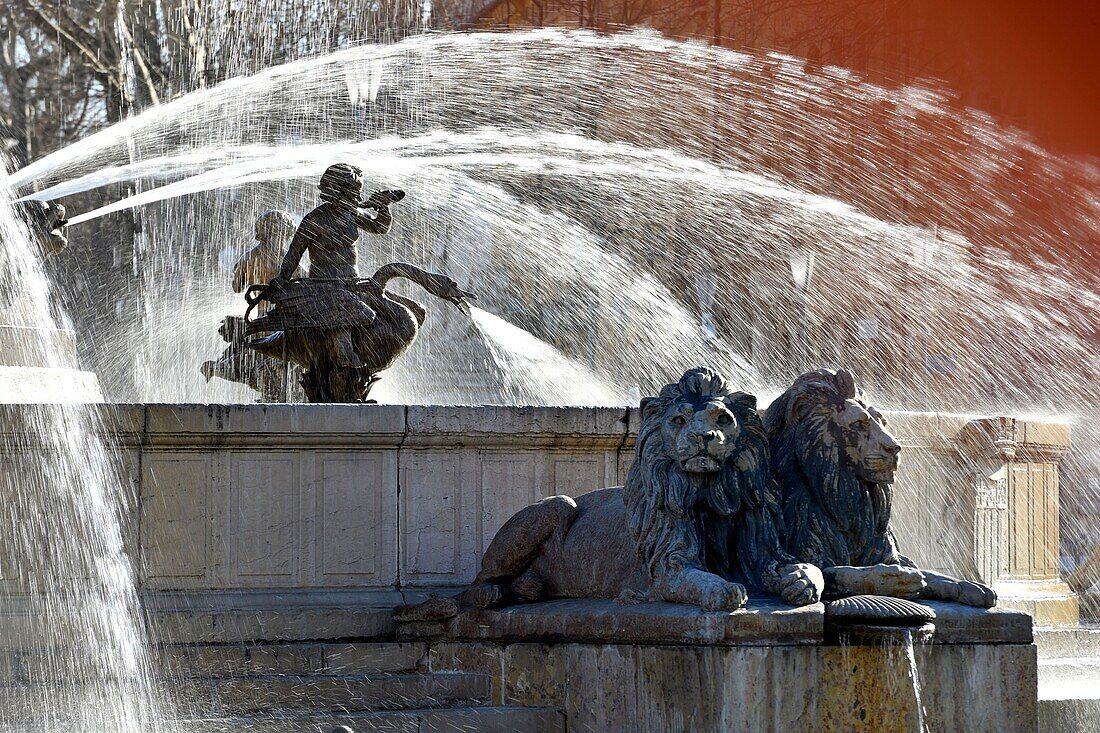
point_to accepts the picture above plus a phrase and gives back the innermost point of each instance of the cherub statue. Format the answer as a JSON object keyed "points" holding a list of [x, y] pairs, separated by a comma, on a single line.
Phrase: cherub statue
{"points": [[330, 233], [342, 329], [258, 266]]}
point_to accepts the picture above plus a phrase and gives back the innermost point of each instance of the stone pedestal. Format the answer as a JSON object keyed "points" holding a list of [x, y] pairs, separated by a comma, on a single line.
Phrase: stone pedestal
{"points": [[869, 688], [667, 667]]}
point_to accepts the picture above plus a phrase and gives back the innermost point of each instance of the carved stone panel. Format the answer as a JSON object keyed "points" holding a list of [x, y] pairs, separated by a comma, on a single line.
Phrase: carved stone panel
{"points": [[265, 518], [431, 492], [509, 482], [355, 512], [1033, 512], [175, 519]]}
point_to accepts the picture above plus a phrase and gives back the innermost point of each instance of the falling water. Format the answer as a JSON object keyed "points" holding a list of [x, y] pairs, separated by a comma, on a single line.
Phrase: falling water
{"points": [[72, 624], [937, 234], [914, 677], [617, 207], [534, 371]]}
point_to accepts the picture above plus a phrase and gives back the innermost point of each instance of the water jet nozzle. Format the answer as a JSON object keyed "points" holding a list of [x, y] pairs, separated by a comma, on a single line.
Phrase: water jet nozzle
{"points": [[47, 221]]}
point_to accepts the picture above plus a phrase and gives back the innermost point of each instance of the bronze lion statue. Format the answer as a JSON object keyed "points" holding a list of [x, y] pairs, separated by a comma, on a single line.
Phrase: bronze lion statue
{"points": [[695, 523], [834, 463]]}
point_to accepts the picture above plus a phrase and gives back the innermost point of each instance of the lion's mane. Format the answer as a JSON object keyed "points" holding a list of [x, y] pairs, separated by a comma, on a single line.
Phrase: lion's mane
{"points": [[722, 522], [830, 516]]}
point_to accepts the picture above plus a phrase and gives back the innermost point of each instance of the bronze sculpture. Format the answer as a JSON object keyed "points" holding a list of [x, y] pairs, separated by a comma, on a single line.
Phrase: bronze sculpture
{"points": [[834, 462], [340, 328], [47, 222], [272, 378], [696, 522]]}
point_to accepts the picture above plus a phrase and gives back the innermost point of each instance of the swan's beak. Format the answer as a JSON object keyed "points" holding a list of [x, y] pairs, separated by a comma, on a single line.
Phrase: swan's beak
{"points": [[460, 299]]}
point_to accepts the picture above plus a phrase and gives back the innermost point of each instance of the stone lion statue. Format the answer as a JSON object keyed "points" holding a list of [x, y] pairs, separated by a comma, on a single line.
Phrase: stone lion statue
{"points": [[834, 463], [695, 523]]}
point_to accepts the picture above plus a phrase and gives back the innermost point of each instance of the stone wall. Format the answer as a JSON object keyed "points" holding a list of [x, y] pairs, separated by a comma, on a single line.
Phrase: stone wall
{"points": [[288, 504]]}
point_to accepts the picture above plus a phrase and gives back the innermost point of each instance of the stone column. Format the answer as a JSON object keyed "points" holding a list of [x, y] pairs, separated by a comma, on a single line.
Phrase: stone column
{"points": [[1013, 471]]}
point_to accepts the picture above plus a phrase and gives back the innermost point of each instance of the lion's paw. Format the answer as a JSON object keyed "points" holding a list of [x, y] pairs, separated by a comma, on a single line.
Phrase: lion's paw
{"points": [[484, 595], [801, 584], [724, 597], [527, 587], [632, 597], [892, 580], [433, 609], [975, 594]]}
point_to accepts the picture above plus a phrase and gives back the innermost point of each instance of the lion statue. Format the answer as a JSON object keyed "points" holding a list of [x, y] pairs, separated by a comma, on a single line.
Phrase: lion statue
{"points": [[695, 523], [834, 463]]}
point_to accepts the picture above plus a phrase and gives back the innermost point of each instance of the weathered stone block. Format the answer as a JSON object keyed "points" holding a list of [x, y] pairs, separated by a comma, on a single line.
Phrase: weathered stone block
{"points": [[958, 624], [764, 621], [484, 659], [367, 658], [534, 675]]}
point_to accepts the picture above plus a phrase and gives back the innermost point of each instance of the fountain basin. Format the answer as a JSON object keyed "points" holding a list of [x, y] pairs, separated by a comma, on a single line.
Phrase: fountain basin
{"points": [[279, 523]]}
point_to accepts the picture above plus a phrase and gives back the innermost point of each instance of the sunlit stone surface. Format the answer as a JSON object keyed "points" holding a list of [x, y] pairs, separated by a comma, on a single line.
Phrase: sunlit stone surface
{"points": [[24, 376]]}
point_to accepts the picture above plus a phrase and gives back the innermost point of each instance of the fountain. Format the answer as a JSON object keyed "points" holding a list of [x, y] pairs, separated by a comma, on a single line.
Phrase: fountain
{"points": [[950, 272]]}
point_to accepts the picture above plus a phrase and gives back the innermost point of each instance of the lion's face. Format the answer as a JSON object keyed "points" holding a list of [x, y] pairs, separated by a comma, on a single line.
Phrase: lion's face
{"points": [[701, 434], [866, 448]]}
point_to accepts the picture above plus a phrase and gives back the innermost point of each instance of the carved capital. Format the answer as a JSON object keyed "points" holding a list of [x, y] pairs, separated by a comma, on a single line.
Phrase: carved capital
{"points": [[989, 439]]}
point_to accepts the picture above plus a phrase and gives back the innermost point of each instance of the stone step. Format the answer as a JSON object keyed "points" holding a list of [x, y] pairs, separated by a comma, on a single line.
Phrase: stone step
{"points": [[248, 660], [1068, 716], [1069, 678], [245, 660], [451, 720], [1067, 642], [271, 625], [263, 694]]}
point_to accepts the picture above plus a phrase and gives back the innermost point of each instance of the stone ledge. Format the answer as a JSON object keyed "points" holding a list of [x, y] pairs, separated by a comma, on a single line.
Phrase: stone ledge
{"points": [[303, 624], [765, 622], [435, 425], [958, 624], [327, 425]]}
